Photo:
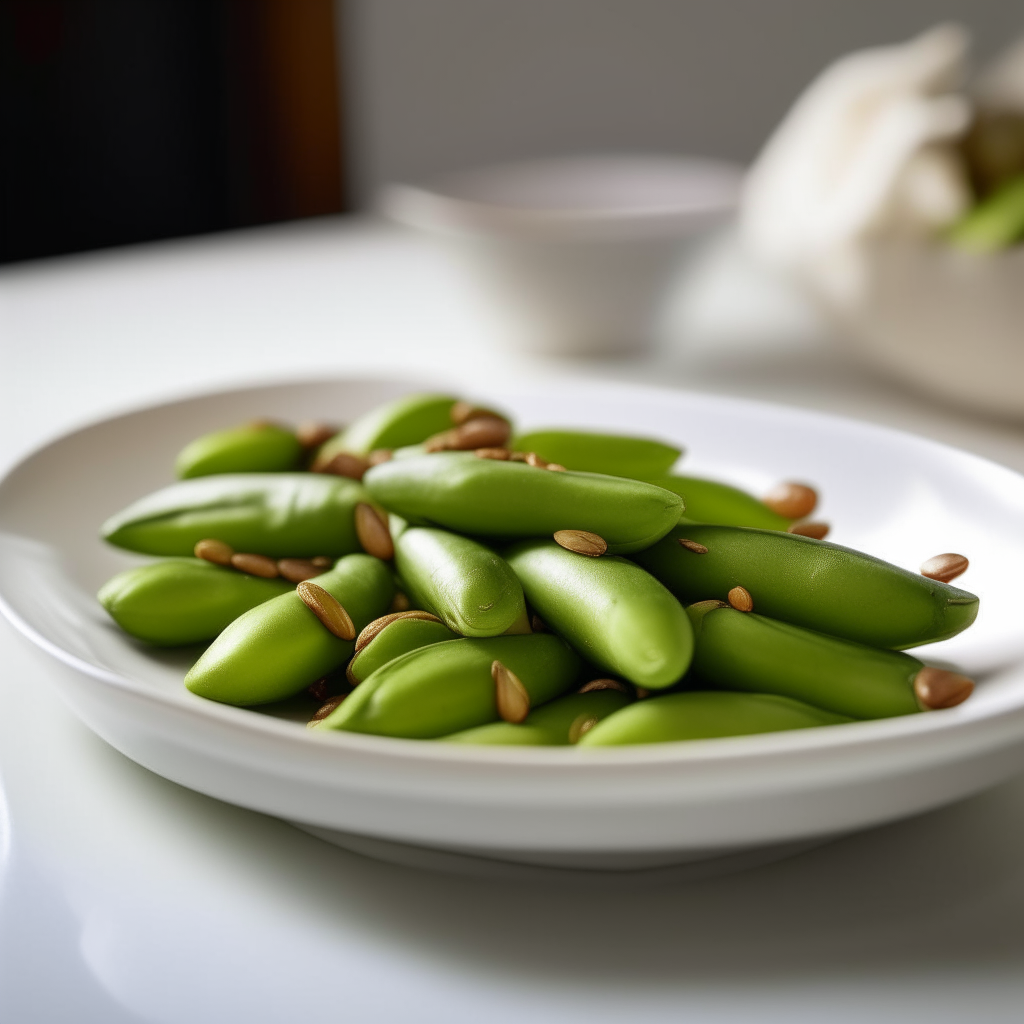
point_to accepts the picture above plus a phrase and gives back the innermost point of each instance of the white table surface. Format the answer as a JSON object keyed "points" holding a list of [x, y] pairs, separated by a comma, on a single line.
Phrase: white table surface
{"points": [[126, 898]]}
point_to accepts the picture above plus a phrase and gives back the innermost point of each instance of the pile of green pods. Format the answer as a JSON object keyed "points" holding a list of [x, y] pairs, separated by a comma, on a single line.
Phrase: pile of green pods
{"points": [[427, 573]]}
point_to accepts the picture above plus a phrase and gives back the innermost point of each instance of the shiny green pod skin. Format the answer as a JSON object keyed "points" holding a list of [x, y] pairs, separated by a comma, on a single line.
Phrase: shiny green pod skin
{"points": [[447, 687], [704, 715], [407, 420], [811, 583], [614, 613], [548, 726], [615, 454], [280, 647], [709, 501], [183, 600], [394, 640], [491, 498], [283, 515], [252, 448], [469, 587], [745, 651]]}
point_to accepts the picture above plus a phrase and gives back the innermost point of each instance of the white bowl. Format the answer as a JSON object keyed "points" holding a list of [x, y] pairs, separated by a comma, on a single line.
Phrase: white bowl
{"points": [[578, 252], [892, 494], [947, 322]]}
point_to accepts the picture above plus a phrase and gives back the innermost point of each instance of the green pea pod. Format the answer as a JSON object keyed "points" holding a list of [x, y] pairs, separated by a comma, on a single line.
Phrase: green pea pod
{"points": [[407, 420], [183, 600], [491, 498], [614, 454], [447, 687], [704, 715], [280, 647], [743, 651], [282, 515], [394, 640], [613, 612], [253, 448], [811, 583], [708, 501], [465, 584], [997, 222], [558, 724]]}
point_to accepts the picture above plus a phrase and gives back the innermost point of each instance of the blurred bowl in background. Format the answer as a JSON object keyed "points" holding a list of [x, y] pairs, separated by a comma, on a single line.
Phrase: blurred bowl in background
{"points": [[945, 321], [579, 253]]}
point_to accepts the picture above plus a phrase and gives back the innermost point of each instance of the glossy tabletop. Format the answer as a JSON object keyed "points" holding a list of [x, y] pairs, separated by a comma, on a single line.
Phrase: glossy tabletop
{"points": [[126, 898]]}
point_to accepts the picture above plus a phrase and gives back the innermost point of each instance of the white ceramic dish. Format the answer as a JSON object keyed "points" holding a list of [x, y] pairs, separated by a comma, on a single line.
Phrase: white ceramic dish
{"points": [[645, 807], [579, 252], [944, 321]]}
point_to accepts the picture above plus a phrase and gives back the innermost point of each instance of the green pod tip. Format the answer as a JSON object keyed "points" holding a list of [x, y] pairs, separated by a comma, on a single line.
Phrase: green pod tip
{"points": [[258, 447], [282, 646]]}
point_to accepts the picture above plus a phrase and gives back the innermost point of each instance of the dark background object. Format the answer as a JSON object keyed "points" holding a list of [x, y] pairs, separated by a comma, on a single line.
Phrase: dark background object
{"points": [[131, 120]]}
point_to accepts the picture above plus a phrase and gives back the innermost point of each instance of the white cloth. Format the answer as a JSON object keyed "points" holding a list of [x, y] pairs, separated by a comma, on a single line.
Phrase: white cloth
{"points": [[858, 151]]}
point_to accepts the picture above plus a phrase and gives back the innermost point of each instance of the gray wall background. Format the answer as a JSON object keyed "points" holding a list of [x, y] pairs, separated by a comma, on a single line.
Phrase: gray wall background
{"points": [[434, 85]]}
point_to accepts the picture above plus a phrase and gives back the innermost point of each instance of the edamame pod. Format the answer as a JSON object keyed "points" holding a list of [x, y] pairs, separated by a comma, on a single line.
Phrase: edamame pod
{"points": [[614, 454], [281, 515], [448, 687], [704, 715], [252, 448], [491, 498], [810, 583], [280, 647], [394, 640], [467, 585], [613, 612], [407, 420], [709, 501], [997, 222], [744, 651], [183, 600], [561, 723]]}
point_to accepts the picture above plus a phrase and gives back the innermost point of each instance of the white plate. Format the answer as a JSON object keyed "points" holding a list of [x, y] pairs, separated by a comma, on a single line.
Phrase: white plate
{"points": [[889, 493]]}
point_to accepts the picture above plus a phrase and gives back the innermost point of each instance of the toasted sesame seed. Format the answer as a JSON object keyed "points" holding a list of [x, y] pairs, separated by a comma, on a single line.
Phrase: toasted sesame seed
{"points": [[463, 412], [511, 696], [583, 542], [692, 545], [295, 570], [604, 684], [255, 565], [818, 531], [945, 567], [792, 500], [938, 688], [321, 713], [215, 551], [328, 609], [373, 533], [581, 725], [345, 464]]}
